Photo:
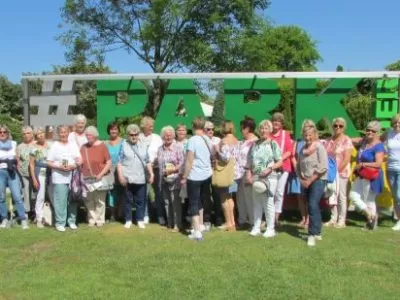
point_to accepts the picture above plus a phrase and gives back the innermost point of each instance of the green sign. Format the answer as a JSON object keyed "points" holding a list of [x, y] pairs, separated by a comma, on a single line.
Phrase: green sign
{"points": [[309, 104]]}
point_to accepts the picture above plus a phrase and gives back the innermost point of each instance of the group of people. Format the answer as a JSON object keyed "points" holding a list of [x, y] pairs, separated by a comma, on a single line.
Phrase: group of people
{"points": [[185, 174]]}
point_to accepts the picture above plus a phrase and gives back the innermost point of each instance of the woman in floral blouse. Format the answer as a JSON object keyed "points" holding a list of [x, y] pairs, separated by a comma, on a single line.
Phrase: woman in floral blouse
{"points": [[39, 172], [265, 161], [170, 160], [340, 147]]}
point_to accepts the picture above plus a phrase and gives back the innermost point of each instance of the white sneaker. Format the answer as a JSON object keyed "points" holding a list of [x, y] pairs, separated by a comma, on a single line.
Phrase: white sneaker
{"points": [[3, 224], [73, 226], [39, 225], [207, 226], [141, 225], [24, 224], [318, 237], [60, 228], [128, 224], [255, 232], [396, 227], [146, 220], [269, 233], [311, 241], [195, 236], [202, 228]]}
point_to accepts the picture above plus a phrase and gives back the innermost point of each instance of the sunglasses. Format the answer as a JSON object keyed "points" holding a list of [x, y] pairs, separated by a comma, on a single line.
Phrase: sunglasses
{"points": [[338, 126], [209, 129], [370, 130], [133, 134], [3, 132]]}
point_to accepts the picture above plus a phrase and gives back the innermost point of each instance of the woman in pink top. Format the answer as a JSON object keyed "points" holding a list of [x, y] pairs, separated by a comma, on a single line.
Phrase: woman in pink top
{"points": [[283, 139], [339, 147]]}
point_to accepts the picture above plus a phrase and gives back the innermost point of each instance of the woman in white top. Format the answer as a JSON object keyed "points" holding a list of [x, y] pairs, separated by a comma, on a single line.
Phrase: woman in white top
{"points": [[63, 158], [78, 136], [392, 141], [9, 178], [152, 141]]}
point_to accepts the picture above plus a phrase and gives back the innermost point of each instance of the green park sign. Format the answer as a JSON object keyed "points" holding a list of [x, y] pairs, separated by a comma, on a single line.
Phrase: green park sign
{"points": [[308, 103], [263, 89]]}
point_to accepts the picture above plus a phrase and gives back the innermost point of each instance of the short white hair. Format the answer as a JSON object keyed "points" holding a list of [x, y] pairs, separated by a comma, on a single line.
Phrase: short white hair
{"points": [[208, 124], [80, 118], [27, 128], [38, 130], [340, 120], [92, 130], [146, 120], [132, 128], [266, 123], [165, 129], [374, 125]]}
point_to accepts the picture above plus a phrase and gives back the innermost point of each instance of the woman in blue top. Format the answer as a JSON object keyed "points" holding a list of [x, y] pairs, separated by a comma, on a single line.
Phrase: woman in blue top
{"points": [[114, 197], [370, 156]]}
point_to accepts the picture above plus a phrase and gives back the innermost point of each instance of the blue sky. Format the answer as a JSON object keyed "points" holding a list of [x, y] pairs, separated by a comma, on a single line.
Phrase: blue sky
{"points": [[358, 34]]}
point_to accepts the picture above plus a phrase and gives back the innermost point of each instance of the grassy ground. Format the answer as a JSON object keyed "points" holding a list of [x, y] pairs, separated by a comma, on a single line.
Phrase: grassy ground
{"points": [[116, 263]]}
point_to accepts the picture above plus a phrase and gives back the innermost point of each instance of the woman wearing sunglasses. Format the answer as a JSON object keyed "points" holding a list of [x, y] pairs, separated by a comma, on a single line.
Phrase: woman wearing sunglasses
{"points": [[369, 181], [392, 141], [134, 169], [340, 148]]}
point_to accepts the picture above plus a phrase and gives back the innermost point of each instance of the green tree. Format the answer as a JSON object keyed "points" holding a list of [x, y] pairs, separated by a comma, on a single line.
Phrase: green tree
{"points": [[393, 66], [10, 98], [282, 48], [168, 35]]}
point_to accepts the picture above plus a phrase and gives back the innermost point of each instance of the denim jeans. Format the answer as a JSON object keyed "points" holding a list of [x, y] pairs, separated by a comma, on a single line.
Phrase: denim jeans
{"points": [[65, 211], [394, 181], [135, 194], [314, 194], [198, 194], [14, 185]]}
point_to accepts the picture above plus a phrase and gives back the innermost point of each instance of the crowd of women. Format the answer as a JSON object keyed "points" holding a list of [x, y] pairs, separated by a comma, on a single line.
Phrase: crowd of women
{"points": [[196, 180]]}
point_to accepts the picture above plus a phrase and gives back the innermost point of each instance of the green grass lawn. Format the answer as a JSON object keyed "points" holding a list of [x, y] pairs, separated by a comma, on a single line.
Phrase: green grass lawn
{"points": [[115, 263]]}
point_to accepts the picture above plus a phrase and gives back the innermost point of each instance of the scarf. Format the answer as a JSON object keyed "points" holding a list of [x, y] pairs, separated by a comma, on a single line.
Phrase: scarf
{"points": [[5, 145], [310, 149]]}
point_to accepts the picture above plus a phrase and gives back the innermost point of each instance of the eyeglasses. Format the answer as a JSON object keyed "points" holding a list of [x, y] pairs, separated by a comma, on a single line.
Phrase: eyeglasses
{"points": [[370, 130], [209, 129], [133, 134], [338, 126]]}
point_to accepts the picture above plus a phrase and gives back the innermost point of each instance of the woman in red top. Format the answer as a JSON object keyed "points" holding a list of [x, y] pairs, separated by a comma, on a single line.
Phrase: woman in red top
{"points": [[96, 164], [283, 139]]}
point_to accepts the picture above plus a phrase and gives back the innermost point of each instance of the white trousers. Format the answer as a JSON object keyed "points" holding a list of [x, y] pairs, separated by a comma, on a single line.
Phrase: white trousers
{"points": [[362, 196], [280, 192], [245, 202], [96, 207], [338, 201], [265, 202], [40, 197]]}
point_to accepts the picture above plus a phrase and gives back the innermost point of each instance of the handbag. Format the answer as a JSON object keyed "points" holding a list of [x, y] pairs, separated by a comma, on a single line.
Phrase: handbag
{"points": [[223, 172], [106, 182], [223, 175], [368, 173], [47, 214]]}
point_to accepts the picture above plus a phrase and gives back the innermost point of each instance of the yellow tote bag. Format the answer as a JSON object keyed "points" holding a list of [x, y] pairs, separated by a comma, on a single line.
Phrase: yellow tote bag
{"points": [[223, 174]]}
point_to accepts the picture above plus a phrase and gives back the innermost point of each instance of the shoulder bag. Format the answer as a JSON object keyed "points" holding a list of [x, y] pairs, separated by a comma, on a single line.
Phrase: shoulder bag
{"points": [[107, 181]]}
